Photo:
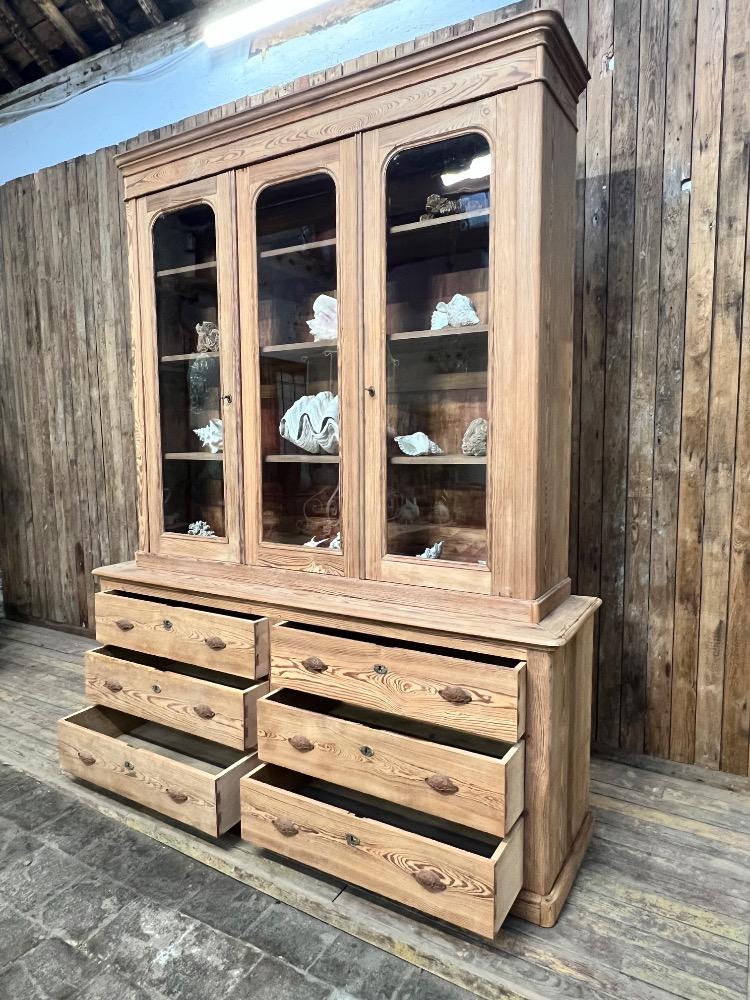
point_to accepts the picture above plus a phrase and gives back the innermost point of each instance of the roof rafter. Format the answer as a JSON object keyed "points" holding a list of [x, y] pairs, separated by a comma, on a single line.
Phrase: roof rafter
{"points": [[9, 71], [8, 17], [106, 19], [63, 26], [151, 9]]}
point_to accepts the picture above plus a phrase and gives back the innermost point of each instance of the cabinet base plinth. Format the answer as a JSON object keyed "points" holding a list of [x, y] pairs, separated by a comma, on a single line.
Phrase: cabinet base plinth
{"points": [[545, 910]]}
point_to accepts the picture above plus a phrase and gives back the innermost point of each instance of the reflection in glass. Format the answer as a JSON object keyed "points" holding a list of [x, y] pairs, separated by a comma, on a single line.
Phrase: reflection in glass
{"points": [[298, 330], [438, 215]]}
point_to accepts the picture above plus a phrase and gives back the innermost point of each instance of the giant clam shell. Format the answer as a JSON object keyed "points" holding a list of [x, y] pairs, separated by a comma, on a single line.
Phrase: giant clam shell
{"points": [[475, 437], [312, 423], [325, 324], [417, 444], [212, 435], [458, 312]]}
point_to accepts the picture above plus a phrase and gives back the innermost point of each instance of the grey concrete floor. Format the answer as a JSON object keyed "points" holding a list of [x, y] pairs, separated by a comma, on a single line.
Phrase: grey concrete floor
{"points": [[92, 910]]}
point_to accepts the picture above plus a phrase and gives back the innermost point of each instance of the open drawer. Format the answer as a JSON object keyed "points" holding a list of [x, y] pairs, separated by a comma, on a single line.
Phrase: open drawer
{"points": [[224, 641], [181, 776], [477, 694], [457, 776], [466, 878], [203, 702]]}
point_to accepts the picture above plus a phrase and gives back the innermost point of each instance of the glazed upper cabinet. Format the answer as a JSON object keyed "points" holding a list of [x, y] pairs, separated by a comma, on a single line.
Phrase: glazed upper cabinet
{"points": [[189, 316]]}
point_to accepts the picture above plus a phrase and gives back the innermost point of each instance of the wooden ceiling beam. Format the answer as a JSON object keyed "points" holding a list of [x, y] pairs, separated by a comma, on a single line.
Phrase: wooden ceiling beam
{"points": [[45, 60], [106, 20], [63, 26], [151, 9], [10, 73]]}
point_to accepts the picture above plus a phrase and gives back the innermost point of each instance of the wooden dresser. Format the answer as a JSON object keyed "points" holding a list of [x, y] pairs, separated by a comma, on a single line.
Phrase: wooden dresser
{"points": [[352, 332]]}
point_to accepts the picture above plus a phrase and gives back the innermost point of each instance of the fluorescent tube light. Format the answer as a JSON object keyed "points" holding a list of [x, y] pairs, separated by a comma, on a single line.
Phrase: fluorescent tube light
{"points": [[251, 19], [478, 168]]}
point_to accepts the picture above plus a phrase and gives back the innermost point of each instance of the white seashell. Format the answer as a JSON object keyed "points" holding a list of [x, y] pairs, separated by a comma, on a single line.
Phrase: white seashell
{"points": [[324, 542], [458, 312], [201, 528], [212, 435], [475, 437], [315, 543], [312, 423], [417, 444], [336, 542], [408, 512], [432, 552], [325, 323], [208, 337]]}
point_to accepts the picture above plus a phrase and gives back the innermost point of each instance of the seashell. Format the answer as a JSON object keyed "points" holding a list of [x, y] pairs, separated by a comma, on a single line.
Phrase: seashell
{"points": [[336, 542], [312, 423], [441, 513], [201, 528], [208, 337], [325, 323], [324, 542], [212, 435], [437, 205], [417, 444], [432, 551], [458, 312], [314, 543], [408, 512], [475, 437]]}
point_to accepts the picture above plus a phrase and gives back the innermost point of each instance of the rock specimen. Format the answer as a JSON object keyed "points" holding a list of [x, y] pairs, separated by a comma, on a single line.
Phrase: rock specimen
{"points": [[432, 551], [208, 337], [475, 438], [437, 205], [201, 528], [458, 312]]}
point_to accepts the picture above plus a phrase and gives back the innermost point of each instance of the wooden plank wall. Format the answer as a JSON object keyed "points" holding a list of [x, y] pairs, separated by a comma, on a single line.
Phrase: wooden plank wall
{"points": [[660, 506]]}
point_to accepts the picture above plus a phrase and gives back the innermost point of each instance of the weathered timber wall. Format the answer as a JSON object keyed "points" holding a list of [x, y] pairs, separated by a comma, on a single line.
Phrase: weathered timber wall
{"points": [[661, 430]]}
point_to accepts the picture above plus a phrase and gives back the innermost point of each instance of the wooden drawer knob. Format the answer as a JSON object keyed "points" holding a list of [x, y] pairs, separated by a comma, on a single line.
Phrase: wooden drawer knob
{"points": [[285, 826], [204, 712], [455, 695], [176, 796], [314, 665], [430, 880], [86, 758], [113, 686], [301, 743], [442, 783], [124, 625], [214, 642]]}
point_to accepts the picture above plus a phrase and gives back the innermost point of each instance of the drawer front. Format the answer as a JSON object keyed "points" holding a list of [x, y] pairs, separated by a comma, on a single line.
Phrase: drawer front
{"points": [[230, 644], [454, 885], [473, 789], [208, 802], [190, 704], [461, 694]]}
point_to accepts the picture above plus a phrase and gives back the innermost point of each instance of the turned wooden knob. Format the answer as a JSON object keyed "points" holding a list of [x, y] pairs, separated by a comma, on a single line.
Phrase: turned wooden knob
{"points": [[214, 642], [430, 880], [176, 796], [124, 625], [455, 695], [114, 686], [285, 826], [314, 665], [204, 712], [441, 783], [301, 743], [86, 758]]}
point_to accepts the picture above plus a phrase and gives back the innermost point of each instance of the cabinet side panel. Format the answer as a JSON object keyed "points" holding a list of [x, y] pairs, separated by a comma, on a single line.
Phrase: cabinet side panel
{"points": [[137, 375]]}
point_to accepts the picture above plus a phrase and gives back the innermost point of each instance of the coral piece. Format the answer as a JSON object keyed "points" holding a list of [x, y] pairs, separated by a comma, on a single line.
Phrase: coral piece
{"points": [[312, 423], [208, 337], [458, 312], [437, 205], [315, 543], [417, 444], [324, 542], [475, 438], [201, 528], [325, 324], [432, 551], [212, 435], [408, 512], [336, 542]]}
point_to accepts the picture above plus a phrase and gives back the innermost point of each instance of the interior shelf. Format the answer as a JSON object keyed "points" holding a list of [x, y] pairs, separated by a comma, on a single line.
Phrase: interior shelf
{"points": [[442, 220], [284, 351], [187, 269], [298, 248], [309, 459], [439, 460], [193, 456], [190, 357], [447, 331]]}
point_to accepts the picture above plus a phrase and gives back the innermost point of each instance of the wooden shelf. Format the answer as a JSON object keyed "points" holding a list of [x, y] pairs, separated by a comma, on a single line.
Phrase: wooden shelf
{"points": [[284, 351], [438, 460], [409, 227], [187, 269], [448, 331], [190, 357], [193, 456], [308, 459], [298, 248]]}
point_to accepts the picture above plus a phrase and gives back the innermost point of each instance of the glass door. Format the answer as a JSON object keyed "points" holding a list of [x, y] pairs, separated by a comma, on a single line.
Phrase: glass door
{"points": [[428, 228], [298, 278], [189, 351]]}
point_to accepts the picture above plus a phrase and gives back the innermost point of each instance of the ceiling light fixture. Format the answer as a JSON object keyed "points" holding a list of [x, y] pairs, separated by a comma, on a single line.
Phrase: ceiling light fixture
{"points": [[251, 19]]}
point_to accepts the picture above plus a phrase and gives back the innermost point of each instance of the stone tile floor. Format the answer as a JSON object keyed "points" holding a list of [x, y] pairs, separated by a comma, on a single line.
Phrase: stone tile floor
{"points": [[92, 910]]}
